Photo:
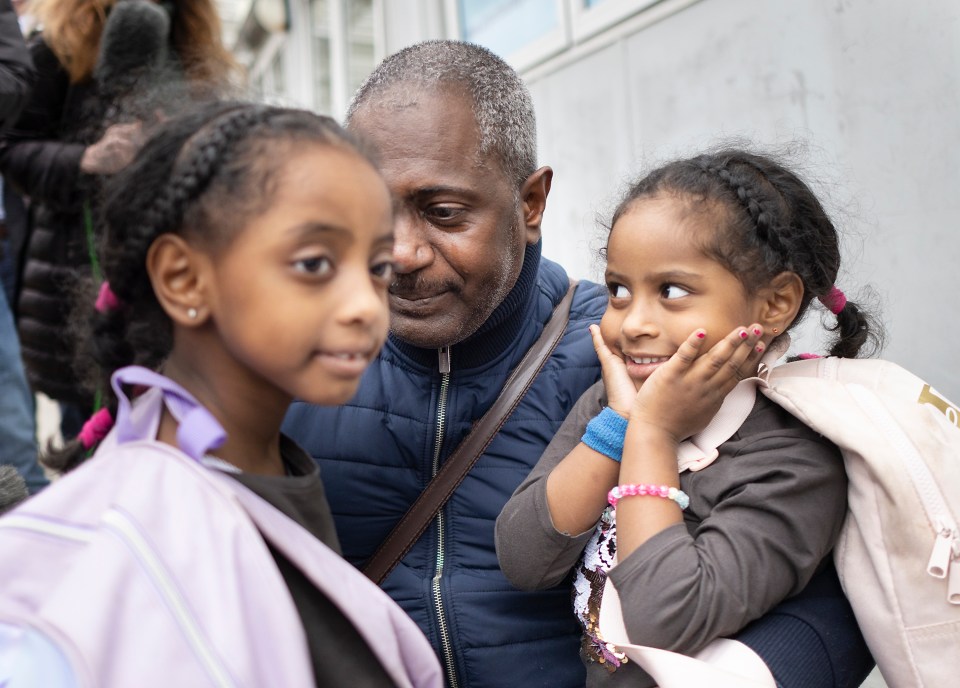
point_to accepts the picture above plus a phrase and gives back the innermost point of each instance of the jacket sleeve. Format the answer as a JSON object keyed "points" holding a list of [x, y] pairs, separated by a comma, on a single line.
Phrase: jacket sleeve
{"points": [[16, 67], [32, 157], [764, 539], [532, 553]]}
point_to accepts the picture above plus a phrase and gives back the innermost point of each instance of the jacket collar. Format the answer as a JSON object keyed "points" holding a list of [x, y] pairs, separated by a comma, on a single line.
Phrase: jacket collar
{"points": [[500, 330]]}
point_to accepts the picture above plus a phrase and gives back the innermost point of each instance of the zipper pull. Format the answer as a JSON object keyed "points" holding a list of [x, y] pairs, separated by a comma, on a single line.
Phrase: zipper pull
{"points": [[445, 360], [942, 552], [953, 585]]}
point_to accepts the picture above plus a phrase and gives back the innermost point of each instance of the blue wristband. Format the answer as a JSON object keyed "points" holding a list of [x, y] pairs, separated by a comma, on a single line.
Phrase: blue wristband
{"points": [[605, 433]]}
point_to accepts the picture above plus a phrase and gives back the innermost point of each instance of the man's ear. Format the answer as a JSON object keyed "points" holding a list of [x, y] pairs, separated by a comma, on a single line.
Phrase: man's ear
{"points": [[780, 301], [178, 274], [533, 195]]}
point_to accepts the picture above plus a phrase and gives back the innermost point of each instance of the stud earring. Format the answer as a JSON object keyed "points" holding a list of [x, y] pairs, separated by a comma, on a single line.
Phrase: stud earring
{"points": [[192, 313], [776, 330]]}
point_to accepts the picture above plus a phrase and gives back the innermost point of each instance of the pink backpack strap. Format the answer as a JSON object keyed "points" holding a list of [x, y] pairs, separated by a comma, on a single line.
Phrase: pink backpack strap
{"points": [[198, 432]]}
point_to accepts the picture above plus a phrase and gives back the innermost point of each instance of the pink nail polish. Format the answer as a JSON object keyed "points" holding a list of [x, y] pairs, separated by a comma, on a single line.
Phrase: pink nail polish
{"points": [[760, 348], [701, 335], [743, 334], [756, 331]]}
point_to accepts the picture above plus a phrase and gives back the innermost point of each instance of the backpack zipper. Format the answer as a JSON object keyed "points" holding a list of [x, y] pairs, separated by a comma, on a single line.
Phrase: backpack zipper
{"points": [[944, 556], [126, 531], [44, 527], [446, 644]]}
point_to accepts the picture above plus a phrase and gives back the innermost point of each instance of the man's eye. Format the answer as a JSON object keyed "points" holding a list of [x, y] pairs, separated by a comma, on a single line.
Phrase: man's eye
{"points": [[316, 265], [672, 291], [618, 291], [443, 213]]}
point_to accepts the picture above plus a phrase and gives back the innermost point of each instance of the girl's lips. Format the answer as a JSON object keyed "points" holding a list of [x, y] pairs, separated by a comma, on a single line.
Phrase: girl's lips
{"points": [[642, 367], [644, 360], [344, 364]]}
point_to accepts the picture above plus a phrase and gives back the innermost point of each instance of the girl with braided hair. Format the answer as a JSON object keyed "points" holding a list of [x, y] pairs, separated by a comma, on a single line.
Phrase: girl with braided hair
{"points": [[247, 255], [704, 503]]}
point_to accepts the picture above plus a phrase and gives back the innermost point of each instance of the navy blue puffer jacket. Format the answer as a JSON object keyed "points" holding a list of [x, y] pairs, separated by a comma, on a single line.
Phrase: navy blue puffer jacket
{"points": [[378, 452]]}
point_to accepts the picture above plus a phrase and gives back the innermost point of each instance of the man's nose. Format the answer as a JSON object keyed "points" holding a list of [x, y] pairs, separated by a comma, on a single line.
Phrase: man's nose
{"points": [[412, 249]]}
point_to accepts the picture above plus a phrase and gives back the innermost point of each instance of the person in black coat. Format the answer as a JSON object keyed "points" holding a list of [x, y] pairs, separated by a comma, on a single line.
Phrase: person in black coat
{"points": [[98, 80]]}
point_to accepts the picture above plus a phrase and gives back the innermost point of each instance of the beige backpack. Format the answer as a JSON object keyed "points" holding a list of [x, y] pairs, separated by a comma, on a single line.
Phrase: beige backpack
{"points": [[898, 556]]}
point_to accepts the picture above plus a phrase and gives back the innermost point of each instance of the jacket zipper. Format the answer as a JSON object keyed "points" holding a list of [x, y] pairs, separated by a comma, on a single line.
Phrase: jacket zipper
{"points": [[446, 645], [945, 557]]}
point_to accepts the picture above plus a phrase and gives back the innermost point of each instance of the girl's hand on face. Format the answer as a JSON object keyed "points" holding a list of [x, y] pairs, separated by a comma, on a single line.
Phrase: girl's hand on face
{"points": [[686, 392], [621, 389]]}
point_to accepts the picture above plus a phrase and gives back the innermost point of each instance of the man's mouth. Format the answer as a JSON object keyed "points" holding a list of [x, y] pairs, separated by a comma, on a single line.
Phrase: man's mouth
{"points": [[414, 296]]}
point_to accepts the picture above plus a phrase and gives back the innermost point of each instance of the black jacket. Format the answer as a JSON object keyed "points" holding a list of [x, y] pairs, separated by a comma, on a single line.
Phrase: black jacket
{"points": [[40, 156], [16, 67]]}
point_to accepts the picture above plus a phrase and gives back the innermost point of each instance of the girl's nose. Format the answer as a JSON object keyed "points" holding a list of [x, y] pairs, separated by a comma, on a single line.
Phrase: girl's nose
{"points": [[412, 250], [639, 322], [365, 303]]}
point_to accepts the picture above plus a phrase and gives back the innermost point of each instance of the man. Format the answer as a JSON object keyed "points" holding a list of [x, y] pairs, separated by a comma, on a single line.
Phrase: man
{"points": [[455, 131]]}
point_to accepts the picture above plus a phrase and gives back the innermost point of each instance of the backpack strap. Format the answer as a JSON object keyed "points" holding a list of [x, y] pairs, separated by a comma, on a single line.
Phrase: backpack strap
{"points": [[198, 431], [411, 526]]}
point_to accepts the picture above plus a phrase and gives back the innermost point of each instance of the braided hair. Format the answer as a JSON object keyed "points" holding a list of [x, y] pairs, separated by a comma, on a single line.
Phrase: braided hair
{"points": [[200, 175], [769, 221]]}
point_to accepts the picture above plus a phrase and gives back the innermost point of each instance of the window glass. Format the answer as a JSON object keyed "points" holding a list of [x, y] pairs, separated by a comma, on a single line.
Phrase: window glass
{"points": [[360, 48], [320, 55], [505, 26], [279, 83]]}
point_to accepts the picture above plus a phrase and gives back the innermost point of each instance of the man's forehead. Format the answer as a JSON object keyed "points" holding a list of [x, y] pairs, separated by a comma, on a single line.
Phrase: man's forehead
{"points": [[411, 94]]}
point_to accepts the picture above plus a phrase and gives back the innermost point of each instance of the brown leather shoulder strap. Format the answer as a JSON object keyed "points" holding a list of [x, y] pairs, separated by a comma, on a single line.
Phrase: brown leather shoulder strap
{"points": [[409, 529]]}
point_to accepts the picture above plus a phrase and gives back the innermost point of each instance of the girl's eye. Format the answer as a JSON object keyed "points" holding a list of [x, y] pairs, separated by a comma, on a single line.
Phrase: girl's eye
{"points": [[383, 271], [672, 291], [618, 291], [315, 265]]}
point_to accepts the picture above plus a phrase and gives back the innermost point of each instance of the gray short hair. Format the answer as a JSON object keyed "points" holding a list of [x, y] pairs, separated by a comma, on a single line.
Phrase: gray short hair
{"points": [[501, 102]]}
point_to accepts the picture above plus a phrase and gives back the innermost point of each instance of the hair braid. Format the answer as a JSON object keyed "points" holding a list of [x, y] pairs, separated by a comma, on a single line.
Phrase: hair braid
{"points": [[764, 213], [198, 167]]}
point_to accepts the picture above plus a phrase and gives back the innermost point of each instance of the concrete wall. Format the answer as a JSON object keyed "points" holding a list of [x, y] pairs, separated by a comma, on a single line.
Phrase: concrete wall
{"points": [[871, 88]]}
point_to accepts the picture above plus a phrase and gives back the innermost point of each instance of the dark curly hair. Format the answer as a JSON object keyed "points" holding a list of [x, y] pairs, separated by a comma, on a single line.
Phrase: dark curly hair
{"points": [[769, 221], [201, 175]]}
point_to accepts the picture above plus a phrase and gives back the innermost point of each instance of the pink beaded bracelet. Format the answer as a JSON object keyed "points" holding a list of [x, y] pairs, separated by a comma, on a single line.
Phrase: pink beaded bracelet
{"points": [[632, 490]]}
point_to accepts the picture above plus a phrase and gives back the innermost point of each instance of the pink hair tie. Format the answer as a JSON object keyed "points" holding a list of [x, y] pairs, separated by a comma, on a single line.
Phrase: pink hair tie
{"points": [[834, 300], [807, 357], [96, 428], [106, 299]]}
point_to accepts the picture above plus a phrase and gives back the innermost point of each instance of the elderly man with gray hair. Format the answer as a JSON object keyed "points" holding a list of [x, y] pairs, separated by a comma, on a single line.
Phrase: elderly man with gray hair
{"points": [[474, 307]]}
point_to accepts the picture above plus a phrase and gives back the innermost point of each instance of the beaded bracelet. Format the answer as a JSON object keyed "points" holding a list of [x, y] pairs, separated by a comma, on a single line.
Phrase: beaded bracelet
{"points": [[605, 433], [632, 490]]}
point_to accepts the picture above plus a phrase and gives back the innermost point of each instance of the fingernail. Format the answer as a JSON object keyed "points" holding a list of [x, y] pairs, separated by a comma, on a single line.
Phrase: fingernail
{"points": [[701, 335], [743, 334], [759, 348], [757, 331]]}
